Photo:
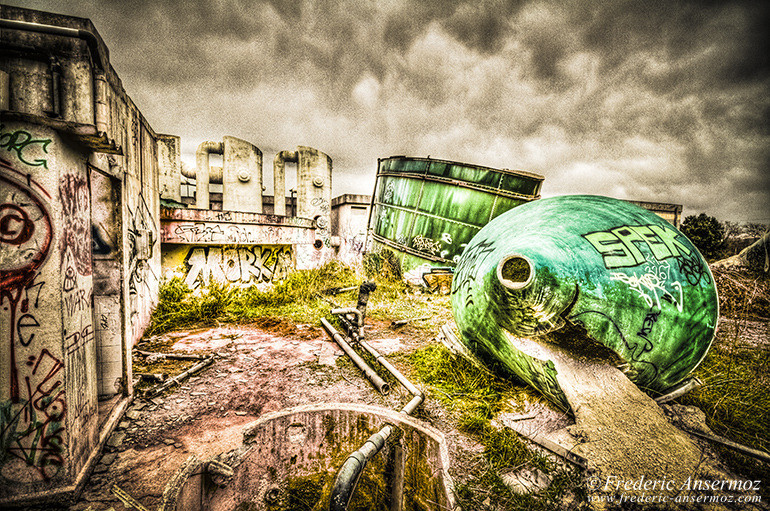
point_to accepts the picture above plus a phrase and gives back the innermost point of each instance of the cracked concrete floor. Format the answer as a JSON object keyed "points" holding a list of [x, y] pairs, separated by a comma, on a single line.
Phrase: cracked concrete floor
{"points": [[258, 369]]}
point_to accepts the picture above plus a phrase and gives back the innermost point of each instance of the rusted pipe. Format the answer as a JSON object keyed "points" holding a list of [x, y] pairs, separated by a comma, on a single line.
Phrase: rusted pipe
{"points": [[680, 390], [177, 379], [89, 37], [100, 61], [380, 384], [350, 473]]}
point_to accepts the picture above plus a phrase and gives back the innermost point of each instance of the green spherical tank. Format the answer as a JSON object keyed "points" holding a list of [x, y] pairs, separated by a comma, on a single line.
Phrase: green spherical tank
{"points": [[629, 278]]}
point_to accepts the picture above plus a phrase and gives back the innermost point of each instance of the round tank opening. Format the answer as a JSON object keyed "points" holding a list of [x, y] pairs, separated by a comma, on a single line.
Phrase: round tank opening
{"points": [[515, 272]]}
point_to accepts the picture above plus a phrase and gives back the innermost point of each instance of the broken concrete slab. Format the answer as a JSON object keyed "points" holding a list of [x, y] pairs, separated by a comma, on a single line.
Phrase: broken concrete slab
{"points": [[526, 480]]}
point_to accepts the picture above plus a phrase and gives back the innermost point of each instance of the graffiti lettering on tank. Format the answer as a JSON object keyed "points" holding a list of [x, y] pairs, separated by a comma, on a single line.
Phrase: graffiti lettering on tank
{"points": [[465, 276], [240, 266], [34, 431], [651, 286], [427, 245], [18, 141], [619, 247]]}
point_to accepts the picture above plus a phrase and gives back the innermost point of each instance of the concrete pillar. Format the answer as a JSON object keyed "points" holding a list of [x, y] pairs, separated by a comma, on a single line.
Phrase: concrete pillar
{"points": [[241, 176], [279, 180], [314, 189], [170, 167], [203, 171]]}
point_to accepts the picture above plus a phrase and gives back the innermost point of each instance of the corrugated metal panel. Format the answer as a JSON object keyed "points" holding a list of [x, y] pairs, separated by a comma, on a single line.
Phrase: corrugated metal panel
{"points": [[428, 210]]}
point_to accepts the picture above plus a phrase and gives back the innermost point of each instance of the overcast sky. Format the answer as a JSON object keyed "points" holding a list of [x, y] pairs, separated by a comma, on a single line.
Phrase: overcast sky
{"points": [[660, 100]]}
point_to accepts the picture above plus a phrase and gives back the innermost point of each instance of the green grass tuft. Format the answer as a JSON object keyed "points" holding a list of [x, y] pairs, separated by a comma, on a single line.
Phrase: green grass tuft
{"points": [[475, 396]]}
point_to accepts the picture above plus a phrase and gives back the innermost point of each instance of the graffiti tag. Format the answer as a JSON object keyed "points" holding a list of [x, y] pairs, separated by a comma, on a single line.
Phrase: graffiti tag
{"points": [[242, 266], [18, 141], [620, 246]]}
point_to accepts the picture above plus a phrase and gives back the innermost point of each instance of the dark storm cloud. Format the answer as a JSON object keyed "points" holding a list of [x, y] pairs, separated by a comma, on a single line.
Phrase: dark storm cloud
{"points": [[659, 100]]}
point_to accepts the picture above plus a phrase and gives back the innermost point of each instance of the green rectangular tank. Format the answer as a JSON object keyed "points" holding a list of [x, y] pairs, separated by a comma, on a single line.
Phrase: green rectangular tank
{"points": [[427, 210]]}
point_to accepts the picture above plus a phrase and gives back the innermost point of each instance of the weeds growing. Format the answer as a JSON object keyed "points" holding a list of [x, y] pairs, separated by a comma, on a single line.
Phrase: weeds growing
{"points": [[475, 396]]}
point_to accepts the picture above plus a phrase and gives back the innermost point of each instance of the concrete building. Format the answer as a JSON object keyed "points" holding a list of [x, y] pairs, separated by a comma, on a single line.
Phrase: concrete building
{"points": [[92, 214], [80, 245]]}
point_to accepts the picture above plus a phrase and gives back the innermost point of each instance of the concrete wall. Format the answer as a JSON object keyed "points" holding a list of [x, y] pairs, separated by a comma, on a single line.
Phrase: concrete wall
{"points": [[229, 236], [79, 252], [349, 217], [231, 247]]}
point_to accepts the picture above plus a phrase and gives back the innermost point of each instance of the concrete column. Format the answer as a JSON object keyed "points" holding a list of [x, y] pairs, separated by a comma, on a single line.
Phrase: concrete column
{"points": [[203, 171], [241, 176], [279, 180], [170, 167]]}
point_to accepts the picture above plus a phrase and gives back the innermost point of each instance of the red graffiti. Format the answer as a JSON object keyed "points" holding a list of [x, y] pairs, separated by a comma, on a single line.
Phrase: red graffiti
{"points": [[23, 250], [76, 227], [15, 226], [34, 431]]}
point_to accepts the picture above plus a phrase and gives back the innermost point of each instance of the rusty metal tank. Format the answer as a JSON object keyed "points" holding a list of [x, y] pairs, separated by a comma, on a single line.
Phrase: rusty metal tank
{"points": [[427, 210], [634, 283]]}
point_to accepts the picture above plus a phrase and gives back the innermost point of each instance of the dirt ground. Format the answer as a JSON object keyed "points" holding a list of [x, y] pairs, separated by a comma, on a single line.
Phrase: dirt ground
{"points": [[258, 368]]}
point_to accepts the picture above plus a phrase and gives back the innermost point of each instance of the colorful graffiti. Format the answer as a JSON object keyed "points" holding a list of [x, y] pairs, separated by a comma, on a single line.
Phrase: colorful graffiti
{"points": [[241, 266], [32, 417], [628, 279], [33, 433], [25, 240], [618, 246]]}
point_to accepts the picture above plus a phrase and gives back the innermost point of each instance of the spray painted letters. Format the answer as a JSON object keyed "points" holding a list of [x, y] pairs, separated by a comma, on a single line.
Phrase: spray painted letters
{"points": [[619, 248], [243, 266]]}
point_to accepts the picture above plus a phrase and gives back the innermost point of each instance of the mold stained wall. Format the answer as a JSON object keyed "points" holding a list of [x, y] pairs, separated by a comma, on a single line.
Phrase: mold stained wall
{"points": [[79, 255]]}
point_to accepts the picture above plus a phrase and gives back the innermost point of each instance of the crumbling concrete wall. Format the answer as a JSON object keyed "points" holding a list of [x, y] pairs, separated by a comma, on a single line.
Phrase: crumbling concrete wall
{"points": [[240, 244], [231, 247], [349, 219], [79, 249]]}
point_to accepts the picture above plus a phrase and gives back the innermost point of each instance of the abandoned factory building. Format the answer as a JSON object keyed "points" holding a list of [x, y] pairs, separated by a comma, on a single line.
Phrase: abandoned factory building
{"points": [[96, 209], [92, 214]]}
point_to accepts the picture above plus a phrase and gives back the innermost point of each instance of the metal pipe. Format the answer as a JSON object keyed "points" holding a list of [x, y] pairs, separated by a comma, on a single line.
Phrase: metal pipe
{"points": [[202, 176], [89, 37], [363, 298], [681, 390], [55, 86], [350, 310], [418, 398], [350, 473], [101, 62], [373, 377]]}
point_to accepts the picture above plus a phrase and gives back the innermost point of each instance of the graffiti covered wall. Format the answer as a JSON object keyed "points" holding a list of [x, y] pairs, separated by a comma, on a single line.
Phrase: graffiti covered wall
{"points": [[241, 266], [46, 420]]}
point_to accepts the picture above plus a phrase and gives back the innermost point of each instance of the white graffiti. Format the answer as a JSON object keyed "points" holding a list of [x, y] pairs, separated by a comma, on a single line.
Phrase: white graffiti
{"points": [[241, 266], [390, 190], [446, 238], [425, 244], [651, 286]]}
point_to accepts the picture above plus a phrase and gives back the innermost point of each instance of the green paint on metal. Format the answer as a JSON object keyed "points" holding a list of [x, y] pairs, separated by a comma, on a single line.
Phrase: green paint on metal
{"points": [[635, 283], [428, 210]]}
